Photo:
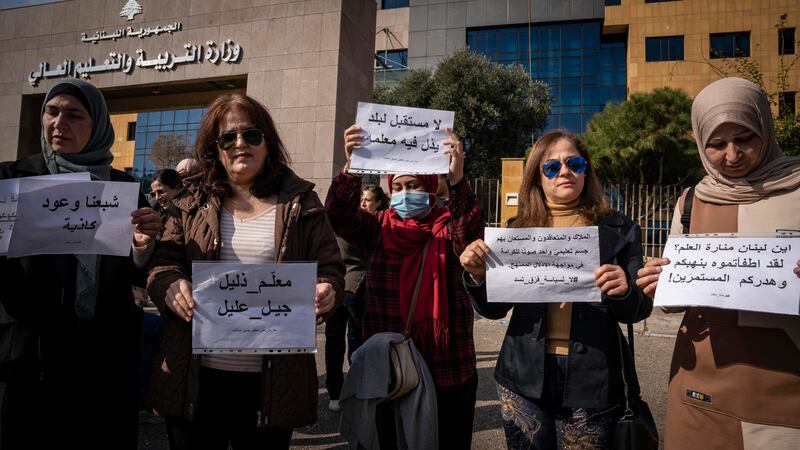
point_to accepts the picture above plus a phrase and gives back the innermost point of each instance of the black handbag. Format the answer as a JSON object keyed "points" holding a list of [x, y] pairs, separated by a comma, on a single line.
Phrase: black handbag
{"points": [[636, 429]]}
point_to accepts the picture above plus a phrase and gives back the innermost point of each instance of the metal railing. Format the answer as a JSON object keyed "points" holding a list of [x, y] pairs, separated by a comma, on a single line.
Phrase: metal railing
{"points": [[487, 191], [651, 206]]}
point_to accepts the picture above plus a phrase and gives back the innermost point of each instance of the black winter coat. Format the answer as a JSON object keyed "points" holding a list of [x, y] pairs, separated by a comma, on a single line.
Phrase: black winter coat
{"points": [[593, 378], [88, 369]]}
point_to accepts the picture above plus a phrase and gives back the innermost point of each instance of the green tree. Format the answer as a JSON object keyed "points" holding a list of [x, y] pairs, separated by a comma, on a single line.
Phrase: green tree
{"points": [[646, 139], [497, 108]]}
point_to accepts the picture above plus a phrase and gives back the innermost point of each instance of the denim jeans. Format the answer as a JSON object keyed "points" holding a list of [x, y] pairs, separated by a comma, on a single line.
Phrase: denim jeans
{"points": [[547, 424]]}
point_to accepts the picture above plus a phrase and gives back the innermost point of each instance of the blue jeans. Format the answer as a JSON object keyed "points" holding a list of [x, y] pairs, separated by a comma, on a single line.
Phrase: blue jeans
{"points": [[547, 424]]}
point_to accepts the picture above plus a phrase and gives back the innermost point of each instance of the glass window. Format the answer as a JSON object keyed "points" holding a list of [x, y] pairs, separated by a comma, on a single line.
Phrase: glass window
{"points": [[786, 103], [613, 2], [142, 119], [664, 48], [195, 115], [131, 131], [181, 116], [584, 69], [730, 45], [391, 60], [390, 4], [786, 41]]}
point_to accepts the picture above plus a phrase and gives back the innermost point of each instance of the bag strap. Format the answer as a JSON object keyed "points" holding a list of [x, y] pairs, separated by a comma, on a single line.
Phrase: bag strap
{"points": [[626, 386], [686, 215], [415, 295]]}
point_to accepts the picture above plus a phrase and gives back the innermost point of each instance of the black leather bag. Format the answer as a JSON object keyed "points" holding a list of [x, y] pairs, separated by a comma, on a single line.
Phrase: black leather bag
{"points": [[636, 430]]}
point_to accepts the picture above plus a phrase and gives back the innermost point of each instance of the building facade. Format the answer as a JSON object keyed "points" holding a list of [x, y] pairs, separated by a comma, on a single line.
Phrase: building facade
{"points": [[592, 52], [160, 63]]}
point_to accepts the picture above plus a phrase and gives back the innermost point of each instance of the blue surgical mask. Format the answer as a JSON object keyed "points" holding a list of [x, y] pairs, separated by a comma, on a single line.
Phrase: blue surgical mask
{"points": [[410, 204]]}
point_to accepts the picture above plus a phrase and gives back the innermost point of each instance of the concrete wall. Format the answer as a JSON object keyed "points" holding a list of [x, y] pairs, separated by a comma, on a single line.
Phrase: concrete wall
{"points": [[695, 20], [292, 53], [391, 29], [123, 148]]}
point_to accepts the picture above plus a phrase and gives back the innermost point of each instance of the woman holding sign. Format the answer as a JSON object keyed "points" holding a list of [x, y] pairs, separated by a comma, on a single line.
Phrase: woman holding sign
{"points": [[735, 376], [394, 241], [247, 206], [77, 310], [559, 370]]}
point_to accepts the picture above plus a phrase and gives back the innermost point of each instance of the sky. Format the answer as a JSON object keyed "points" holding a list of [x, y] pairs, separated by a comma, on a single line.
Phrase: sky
{"points": [[5, 4]]}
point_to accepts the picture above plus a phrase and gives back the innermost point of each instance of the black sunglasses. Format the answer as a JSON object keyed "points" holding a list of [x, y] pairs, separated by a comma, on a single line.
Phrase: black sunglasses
{"points": [[157, 191], [253, 137], [576, 164]]}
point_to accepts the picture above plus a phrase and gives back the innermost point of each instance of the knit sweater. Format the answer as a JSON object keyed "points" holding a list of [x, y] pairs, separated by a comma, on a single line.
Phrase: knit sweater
{"points": [[559, 315]]}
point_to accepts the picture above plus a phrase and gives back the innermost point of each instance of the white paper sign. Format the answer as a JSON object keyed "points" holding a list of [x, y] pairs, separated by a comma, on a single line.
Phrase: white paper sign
{"points": [[80, 217], [540, 265], [254, 308], [401, 140], [731, 272], [9, 193]]}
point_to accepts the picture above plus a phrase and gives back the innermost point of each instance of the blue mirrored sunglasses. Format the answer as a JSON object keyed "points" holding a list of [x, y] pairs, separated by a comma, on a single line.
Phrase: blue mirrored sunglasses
{"points": [[576, 164]]}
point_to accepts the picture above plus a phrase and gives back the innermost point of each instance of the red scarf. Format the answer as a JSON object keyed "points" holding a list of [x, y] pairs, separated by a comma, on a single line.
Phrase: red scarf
{"points": [[406, 238]]}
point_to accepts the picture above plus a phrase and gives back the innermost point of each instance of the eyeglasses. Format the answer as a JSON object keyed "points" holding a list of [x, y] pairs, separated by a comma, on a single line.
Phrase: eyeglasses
{"points": [[576, 164], [157, 191], [253, 137]]}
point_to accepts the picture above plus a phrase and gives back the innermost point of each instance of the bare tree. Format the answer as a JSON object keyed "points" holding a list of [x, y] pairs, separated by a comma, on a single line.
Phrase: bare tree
{"points": [[168, 150]]}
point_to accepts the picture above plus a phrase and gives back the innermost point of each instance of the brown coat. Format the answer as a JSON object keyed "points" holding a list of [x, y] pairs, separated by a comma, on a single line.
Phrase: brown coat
{"points": [[735, 376], [192, 233]]}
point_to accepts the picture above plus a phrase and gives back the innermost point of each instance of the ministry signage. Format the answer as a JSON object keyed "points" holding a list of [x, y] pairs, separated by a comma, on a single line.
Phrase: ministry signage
{"points": [[228, 52]]}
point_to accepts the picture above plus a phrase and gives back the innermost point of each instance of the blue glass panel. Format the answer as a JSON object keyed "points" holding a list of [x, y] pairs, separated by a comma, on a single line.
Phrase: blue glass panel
{"points": [[676, 48], [141, 120], [182, 116], [167, 118], [742, 43], [572, 122], [150, 139], [571, 67], [571, 38], [570, 95], [508, 42], [195, 115], [390, 4], [591, 66], [583, 69], [549, 68]]}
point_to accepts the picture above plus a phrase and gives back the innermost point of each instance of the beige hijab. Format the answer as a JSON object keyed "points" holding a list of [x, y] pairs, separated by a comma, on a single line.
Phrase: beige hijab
{"points": [[739, 101]]}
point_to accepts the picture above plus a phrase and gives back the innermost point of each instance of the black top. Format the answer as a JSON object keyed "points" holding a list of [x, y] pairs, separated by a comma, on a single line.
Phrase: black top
{"points": [[87, 368], [593, 378]]}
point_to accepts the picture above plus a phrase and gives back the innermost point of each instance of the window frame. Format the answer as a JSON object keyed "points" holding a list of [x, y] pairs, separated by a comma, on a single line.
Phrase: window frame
{"points": [[665, 43], [782, 41], [733, 36]]}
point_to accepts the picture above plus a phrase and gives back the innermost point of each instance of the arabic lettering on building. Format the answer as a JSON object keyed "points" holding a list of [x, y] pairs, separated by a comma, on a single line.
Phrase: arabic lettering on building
{"points": [[120, 33], [229, 52]]}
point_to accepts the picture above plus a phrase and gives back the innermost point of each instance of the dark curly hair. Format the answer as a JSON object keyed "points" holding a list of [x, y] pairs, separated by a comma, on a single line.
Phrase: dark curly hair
{"points": [[215, 177], [380, 196]]}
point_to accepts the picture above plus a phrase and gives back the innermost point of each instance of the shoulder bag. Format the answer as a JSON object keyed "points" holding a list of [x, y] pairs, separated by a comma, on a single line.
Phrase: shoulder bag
{"points": [[404, 375], [636, 430]]}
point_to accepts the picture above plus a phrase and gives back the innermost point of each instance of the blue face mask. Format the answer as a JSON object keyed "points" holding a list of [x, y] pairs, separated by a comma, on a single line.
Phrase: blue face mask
{"points": [[410, 204]]}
